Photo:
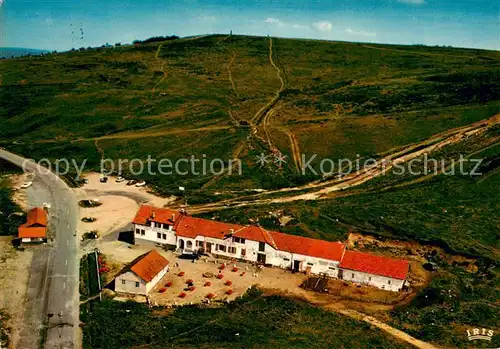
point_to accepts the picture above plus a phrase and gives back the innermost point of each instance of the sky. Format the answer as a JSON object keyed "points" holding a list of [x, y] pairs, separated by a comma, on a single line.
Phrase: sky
{"points": [[63, 24]]}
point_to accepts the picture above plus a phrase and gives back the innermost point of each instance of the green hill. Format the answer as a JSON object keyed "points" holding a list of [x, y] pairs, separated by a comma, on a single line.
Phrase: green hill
{"points": [[338, 99]]}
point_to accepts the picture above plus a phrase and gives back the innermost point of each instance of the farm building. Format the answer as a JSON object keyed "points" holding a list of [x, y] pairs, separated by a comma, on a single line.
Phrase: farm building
{"points": [[144, 273], [35, 228], [382, 272], [256, 244]]}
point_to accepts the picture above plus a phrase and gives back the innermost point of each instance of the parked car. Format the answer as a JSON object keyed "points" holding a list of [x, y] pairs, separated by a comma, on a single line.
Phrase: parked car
{"points": [[120, 179], [140, 184], [26, 185], [104, 179], [131, 182]]}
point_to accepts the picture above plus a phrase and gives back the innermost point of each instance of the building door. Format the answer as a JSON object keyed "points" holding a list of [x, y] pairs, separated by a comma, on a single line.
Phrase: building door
{"points": [[209, 247], [261, 258], [181, 244], [296, 265]]}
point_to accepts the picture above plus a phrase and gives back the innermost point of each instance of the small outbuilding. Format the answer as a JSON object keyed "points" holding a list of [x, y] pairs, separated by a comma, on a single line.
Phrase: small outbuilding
{"points": [[143, 274], [35, 228]]}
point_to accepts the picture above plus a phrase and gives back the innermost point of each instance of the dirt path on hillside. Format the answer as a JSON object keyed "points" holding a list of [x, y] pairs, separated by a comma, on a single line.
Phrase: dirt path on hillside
{"points": [[319, 189], [257, 118], [146, 134], [294, 147], [165, 73], [405, 337]]}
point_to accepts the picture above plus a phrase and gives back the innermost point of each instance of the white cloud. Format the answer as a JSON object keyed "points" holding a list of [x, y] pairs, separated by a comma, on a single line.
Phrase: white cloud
{"points": [[323, 26], [413, 2], [360, 32], [300, 26], [272, 20], [1, 2]]}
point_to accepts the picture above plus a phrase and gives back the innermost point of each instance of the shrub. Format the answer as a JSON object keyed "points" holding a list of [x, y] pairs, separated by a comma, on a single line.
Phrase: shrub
{"points": [[189, 281], [222, 267], [181, 273], [234, 269], [169, 284], [210, 296], [208, 284], [220, 276], [191, 288], [229, 292], [228, 283], [182, 295], [162, 290]]}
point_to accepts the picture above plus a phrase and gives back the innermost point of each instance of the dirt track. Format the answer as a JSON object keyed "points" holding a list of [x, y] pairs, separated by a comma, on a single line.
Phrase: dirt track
{"points": [[318, 190]]}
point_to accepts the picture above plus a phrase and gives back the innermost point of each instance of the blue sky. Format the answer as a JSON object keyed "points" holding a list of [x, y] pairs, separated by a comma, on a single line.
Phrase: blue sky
{"points": [[55, 24]]}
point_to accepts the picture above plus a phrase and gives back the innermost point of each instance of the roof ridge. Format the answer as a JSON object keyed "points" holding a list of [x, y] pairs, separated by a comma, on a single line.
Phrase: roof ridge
{"points": [[268, 234]]}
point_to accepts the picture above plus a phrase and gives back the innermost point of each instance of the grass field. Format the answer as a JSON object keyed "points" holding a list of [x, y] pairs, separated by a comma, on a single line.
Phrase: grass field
{"points": [[336, 93], [251, 322]]}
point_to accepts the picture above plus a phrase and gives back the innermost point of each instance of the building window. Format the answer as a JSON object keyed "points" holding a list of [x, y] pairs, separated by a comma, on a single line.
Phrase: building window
{"points": [[143, 232], [262, 246], [232, 250], [310, 264], [369, 278], [286, 259], [239, 240], [189, 244], [221, 248], [388, 282], [136, 284], [332, 268], [243, 252], [352, 275], [158, 235], [123, 282], [164, 236], [199, 243], [137, 231], [165, 226]]}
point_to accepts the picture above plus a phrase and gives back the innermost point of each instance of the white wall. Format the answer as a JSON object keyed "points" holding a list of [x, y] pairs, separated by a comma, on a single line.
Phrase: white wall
{"points": [[379, 281], [130, 284], [150, 285], [151, 234]]}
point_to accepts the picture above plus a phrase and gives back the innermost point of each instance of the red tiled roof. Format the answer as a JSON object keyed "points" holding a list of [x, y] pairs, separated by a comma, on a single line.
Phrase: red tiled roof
{"points": [[36, 224], [191, 227], [373, 264], [255, 233], [154, 214], [36, 216], [309, 247], [33, 232], [149, 265]]}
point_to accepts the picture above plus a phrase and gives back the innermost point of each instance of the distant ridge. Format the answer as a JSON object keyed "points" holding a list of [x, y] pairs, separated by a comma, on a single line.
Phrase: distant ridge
{"points": [[8, 52]]}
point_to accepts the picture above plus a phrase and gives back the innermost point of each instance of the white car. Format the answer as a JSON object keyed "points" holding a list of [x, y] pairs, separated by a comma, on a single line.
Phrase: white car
{"points": [[26, 185], [120, 179], [140, 184]]}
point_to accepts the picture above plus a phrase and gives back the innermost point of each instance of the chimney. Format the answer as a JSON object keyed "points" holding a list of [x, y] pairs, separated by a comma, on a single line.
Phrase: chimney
{"points": [[173, 217], [231, 231], [153, 215]]}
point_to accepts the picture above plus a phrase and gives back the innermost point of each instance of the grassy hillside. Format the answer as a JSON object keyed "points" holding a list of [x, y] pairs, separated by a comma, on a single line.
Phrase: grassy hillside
{"points": [[153, 98], [252, 322]]}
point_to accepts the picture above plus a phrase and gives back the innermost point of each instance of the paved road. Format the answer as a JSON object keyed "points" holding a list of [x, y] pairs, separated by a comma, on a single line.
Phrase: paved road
{"points": [[53, 294]]}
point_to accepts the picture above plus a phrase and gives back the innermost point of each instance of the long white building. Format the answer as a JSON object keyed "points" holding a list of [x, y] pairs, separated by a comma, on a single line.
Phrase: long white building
{"points": [[255, 244]]}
